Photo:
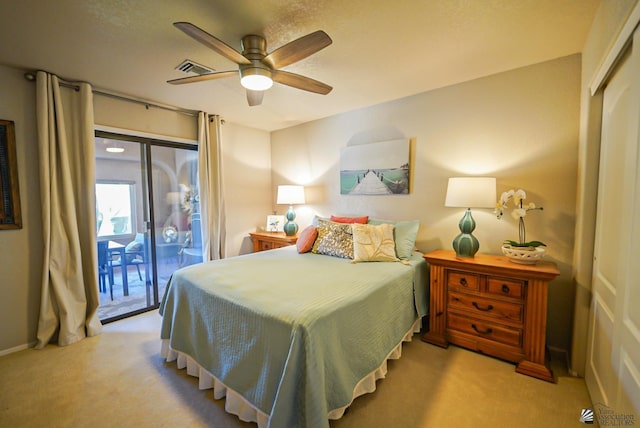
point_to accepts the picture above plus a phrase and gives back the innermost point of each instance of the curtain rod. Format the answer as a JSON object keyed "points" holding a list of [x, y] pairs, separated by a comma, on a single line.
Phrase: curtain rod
{"points": [[32, 77]]}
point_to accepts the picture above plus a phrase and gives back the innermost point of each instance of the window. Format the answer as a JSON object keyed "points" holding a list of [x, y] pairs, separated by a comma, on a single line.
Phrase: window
{"points": [[115, 209]]}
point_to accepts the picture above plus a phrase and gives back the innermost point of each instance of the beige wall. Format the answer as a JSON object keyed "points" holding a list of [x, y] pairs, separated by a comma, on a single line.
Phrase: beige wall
{"points": [[113, 112], [247, 184], [21, 250], [520, 126]]}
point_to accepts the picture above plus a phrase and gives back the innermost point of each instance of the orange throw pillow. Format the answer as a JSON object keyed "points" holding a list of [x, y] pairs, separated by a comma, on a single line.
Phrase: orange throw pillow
{"points": [[361, 220], [306, 239]]}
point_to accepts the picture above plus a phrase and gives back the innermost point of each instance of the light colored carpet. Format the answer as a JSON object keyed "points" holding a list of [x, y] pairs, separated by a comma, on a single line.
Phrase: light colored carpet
{"points": [[118, 379]]}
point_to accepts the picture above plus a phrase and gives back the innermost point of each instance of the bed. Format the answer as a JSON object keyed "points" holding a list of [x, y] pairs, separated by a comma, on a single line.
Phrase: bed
{"points": [[289, 338]]}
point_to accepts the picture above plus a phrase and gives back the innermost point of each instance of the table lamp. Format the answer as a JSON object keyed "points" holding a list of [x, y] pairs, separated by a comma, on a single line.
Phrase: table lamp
{"points": [[290, 195], [469, 192]]}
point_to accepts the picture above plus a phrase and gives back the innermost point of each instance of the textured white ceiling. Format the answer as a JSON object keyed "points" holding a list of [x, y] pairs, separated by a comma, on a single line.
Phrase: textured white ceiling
{"points": [[382, 49]]}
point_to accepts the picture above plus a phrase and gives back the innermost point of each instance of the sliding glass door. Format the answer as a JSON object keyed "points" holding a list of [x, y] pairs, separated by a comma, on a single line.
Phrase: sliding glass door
{"points": [[147, 216]]}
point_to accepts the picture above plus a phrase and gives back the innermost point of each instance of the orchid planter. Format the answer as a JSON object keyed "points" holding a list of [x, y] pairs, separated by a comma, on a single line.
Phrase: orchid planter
{"points": [[523, 255]]}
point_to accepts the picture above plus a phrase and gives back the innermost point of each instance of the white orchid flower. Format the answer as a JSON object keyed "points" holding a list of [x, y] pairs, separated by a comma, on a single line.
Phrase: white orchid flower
{"points": [[518, 213], [519, 196], [504, 198]]}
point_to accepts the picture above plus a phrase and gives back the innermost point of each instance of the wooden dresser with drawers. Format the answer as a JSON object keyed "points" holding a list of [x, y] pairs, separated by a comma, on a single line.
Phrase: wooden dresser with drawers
{"points": [[263, 241], [491, 305]]}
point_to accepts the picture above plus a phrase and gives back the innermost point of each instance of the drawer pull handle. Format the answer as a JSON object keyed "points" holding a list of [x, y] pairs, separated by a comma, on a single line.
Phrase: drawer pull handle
{"points": [[463, 282], [488, 308], [505, 289], [487, 331]]}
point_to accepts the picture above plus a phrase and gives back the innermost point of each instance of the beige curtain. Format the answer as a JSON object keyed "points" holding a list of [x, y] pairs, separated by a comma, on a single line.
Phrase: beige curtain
{"points": [[69, 300], [210, 183]]}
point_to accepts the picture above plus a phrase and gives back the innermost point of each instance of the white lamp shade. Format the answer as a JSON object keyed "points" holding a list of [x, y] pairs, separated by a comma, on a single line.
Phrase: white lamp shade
{"points": [[290, 195], [471, 192]]}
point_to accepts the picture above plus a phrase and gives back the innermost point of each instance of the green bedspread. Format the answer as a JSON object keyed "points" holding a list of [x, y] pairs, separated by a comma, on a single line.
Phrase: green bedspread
{"points": [[292, 333]]}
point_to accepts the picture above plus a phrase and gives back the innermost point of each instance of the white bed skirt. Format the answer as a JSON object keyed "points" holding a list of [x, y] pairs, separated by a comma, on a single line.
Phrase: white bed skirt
{"points": [[237, 405]]}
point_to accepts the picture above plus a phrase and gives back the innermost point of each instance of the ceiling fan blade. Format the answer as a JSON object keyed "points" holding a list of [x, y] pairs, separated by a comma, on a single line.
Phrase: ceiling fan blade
{"points": [[254, 98], [203, 77], [211, 42], [298, 49], [300, 82]]}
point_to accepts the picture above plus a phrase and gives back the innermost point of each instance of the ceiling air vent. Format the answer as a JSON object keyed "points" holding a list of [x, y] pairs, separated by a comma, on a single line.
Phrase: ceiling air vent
{"points": [[188, 66]]}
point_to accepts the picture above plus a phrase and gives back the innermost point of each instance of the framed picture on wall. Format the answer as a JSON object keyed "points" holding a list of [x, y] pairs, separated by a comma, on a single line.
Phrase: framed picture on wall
{"points": [[376, 168], [10, 214], [275, 223]]}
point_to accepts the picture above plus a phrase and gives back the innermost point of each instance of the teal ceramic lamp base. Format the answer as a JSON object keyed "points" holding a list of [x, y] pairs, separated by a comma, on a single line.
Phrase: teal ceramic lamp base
{"points": [[290, 228], [465, 244]]}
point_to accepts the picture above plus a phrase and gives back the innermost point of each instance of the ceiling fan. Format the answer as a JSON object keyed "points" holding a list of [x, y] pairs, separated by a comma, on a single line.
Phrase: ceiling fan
{"points": [[258, 70]]}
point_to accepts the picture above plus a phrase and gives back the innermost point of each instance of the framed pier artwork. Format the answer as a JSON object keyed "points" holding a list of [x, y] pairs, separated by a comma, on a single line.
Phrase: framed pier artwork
{"points": [[376, 169]]}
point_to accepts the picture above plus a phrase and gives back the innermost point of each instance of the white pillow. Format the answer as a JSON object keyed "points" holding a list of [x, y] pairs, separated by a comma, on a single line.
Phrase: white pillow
{"points": [[373, 243]]}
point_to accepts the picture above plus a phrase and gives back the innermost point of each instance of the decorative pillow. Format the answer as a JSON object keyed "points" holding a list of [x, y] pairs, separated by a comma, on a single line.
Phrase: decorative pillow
{"points": [[350, 220], [306, 239], [133, 247], [316, 219], [334, 239], [404, 233], [373, 243]]}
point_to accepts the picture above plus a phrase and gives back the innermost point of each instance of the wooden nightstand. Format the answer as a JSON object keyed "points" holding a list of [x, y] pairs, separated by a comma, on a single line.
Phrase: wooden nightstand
{"points": [[491, 305], [269, 240]]}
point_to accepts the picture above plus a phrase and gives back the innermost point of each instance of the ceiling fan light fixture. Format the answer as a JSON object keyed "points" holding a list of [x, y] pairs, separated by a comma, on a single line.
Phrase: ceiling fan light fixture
{"points": [[256, 78], [257, 68]]}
